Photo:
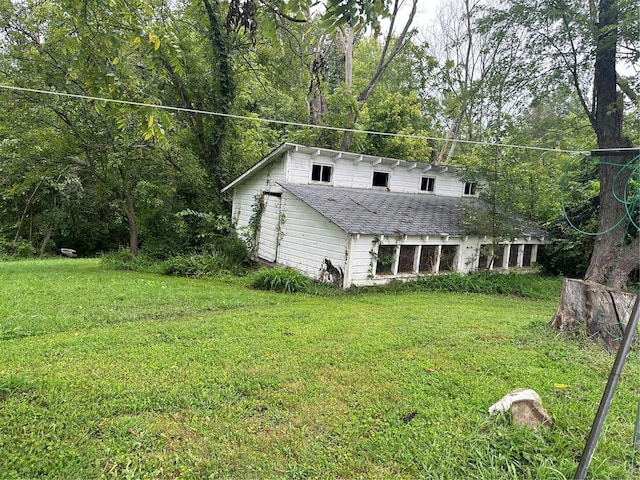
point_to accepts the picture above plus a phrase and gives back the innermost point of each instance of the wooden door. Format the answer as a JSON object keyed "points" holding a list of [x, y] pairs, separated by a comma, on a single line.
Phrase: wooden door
{"points": [[269, 235]]}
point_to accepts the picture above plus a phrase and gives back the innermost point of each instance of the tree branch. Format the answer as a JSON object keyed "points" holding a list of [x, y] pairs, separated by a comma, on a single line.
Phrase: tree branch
{"points": [[623, 83], [385, 59]]}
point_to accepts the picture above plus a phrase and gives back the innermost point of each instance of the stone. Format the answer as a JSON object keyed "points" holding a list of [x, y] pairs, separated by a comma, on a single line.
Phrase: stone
{"points": [[529, 413], [525, 406]]}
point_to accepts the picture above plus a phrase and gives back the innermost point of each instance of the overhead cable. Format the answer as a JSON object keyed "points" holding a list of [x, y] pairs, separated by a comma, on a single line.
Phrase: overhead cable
{"points": [[283, 122]]}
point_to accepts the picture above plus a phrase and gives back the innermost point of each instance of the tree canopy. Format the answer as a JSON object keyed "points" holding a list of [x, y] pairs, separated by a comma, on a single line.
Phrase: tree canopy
{"points": [[99, 175]]}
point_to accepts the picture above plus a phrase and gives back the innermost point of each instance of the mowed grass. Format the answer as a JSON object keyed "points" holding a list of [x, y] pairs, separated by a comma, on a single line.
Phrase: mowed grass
{"points": [[108, 374]]}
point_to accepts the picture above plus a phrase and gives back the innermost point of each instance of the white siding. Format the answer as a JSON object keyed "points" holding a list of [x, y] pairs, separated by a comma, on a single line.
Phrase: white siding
{"points": [[362, 263], [350, 175], [307, 238], [244, 194], [267, 239], [448, 184], [298, 168], [295, 167]]}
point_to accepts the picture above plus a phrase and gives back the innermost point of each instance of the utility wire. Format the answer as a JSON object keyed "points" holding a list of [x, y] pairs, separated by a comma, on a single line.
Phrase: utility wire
{"points": [[283, 122]]}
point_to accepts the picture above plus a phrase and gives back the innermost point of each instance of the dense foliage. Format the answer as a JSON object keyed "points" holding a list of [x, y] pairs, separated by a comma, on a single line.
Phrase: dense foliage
{"points": [[99, 176]]}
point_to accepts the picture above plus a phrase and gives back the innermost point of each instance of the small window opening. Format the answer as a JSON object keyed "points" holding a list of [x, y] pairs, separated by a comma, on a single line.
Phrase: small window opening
{"points": [[447, 258], [427, 184], [469, 188], [321, 173], [386, 259], [487, 256], [513, 255], [428, 259], [498, 257], [527, 256], [380, 179], [406, 259]]}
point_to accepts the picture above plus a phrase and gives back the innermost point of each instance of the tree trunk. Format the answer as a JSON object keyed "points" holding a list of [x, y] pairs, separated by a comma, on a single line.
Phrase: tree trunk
{"points": [[131, 223], [45, 240], [611, 260], [386, 57], [347, 47], [605, 312]]}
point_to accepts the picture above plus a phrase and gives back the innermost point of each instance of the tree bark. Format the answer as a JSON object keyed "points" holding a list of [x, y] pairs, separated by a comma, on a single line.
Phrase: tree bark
{"points": [[45, 240], [605, 312], [131, 223], [613, 174]]}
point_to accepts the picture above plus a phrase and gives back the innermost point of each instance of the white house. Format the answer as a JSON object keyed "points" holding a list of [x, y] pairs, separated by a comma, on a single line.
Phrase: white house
{"points": [[354, 219]]}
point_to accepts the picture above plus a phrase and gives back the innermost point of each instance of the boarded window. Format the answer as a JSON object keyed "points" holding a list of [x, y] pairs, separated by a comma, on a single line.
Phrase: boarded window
{"points": [[406, 260], [427, 184], [528, 254], [380, 179], [447, 258], [321, 173], [386, 259], [428, 258]]}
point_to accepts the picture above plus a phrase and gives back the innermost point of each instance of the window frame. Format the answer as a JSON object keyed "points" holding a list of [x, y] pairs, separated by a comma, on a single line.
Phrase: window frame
{"points": [[380, 172], [430, 182], [392, 254], [322, 168], [470, 189], [405, 267]]}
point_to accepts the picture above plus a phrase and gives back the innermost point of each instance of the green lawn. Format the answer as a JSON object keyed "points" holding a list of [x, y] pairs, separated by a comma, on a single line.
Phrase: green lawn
{"points": [[106, 374]]}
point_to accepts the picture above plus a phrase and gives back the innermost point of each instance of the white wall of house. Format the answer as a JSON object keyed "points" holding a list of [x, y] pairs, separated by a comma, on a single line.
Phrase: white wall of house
{"points": [[268, 235], [363, 269], [404, 176], [244, 194], [307, 239]]}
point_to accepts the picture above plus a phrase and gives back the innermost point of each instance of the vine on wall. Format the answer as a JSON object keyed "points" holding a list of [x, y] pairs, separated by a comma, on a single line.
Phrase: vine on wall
{"points": [[253, 226]]}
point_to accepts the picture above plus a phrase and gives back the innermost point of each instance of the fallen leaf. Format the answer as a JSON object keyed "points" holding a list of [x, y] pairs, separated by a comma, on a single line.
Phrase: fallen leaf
{"points": [[560, 385]]}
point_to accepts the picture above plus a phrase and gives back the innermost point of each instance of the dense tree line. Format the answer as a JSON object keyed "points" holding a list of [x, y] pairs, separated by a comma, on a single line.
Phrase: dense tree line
{"points": [[100, 175]]}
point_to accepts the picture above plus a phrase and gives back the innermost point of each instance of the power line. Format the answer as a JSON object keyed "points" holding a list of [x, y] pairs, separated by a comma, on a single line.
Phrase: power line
{"points": [[284, 122]]}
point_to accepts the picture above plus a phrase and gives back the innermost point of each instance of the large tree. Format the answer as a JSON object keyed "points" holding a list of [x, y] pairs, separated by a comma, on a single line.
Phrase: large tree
{"points": [[583, 43]]}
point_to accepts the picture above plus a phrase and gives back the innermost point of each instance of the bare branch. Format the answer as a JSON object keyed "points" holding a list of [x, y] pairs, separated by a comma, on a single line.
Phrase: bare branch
{"points": [[385, 59]]}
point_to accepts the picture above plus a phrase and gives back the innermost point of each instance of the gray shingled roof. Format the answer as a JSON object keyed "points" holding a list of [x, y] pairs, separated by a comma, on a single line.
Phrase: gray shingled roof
{"points": [[382, 212], [379, 212]]}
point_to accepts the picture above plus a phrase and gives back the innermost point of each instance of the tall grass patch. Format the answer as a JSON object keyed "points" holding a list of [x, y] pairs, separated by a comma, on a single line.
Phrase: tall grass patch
{"points": [[526, 285], [281, 279]]}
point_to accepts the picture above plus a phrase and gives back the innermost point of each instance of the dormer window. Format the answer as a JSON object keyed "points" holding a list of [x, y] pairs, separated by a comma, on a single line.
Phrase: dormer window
{"points": [[427, 184], [380, 179], [469, 188], [321, 173]]}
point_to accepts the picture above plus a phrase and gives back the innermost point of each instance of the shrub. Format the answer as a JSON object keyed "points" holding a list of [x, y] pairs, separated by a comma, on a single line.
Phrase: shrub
{"points": [[225, 255], [121, 260], [525, 285], [281, 279], [203, 264], [10, 250]]}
